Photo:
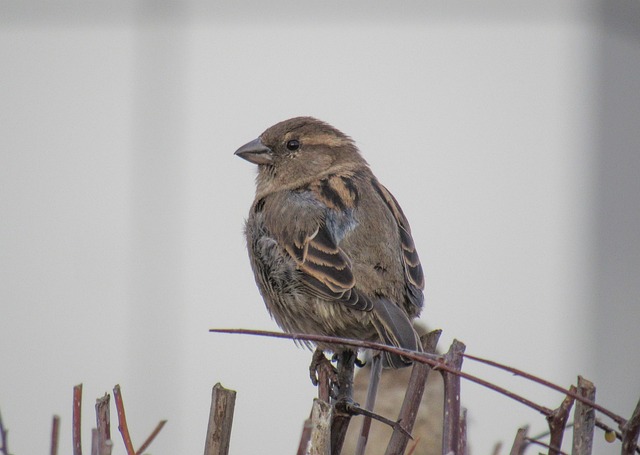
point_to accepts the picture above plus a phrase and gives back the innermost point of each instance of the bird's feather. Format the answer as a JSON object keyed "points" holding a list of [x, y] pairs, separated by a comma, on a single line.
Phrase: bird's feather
{"points": [[412, 266], [395, 329]]}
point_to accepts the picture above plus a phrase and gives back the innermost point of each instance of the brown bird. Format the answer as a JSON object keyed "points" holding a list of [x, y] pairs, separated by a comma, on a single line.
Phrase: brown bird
{"points": [[330, 248]]}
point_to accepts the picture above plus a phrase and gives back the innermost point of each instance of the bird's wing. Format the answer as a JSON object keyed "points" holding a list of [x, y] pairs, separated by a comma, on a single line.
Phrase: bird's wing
{"points": [[412, 266], [325, 268]]}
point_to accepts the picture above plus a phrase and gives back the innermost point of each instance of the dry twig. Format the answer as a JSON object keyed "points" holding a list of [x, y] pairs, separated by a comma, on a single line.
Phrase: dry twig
{"points": [[103, 423], [4, 450], [76, 419], [413, 396], [341, 413], [451, 429], [145, 445], [220, 421], [55, 434], [557, 423], [433, 360], [122, 421], [584, 418], [569, 392], [520, 441], [305, 437], [436, 361], [374, 381], [630, 432], [552, 449], [94, 441], [320, 437]]}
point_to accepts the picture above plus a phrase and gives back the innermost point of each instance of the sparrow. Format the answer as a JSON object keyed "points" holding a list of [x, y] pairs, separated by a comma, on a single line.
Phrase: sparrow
{"points": [[329, 245]]}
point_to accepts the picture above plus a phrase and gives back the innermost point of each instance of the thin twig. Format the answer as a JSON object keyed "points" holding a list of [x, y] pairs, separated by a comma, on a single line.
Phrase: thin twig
{"points": [[413, 396], [354, 410], [519, 443], [305, 436], [413, 447], [609, 430], [631, 431], [557, 423], [4, 450], [435, 361], [94, 442], [374, 381], [552, 449], [546, 433], [151, 437], [55, 435], [122, 421], [76, 420], [517, 372]]}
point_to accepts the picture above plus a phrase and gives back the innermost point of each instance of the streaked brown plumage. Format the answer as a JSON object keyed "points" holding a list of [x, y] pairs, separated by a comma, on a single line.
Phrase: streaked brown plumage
{"points": [[330, 248]]}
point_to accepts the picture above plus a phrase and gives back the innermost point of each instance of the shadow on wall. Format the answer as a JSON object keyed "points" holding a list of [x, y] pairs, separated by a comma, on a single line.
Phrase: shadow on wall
{"points": [[616, 305]]}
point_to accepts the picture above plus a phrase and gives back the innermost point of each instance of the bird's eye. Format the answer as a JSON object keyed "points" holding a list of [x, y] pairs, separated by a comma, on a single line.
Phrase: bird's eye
{"points": [[293, 145]]}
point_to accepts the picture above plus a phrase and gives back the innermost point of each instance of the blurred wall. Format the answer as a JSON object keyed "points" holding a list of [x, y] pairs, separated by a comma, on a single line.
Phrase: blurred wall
{"points": [[507, 130], [616, 246]]}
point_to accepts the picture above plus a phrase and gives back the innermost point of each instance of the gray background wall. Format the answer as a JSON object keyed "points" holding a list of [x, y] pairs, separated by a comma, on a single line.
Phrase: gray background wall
{"points": [[509, 132]]}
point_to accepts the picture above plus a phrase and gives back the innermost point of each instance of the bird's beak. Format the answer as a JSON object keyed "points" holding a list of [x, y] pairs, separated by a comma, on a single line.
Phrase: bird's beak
{"points": [[255, 152]]}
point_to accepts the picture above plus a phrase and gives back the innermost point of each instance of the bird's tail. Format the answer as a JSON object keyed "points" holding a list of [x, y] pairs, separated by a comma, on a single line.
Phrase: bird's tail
{"points": [[395, 329]]}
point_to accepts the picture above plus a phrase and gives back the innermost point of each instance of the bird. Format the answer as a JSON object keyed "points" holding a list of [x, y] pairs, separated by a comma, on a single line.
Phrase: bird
{"points": [[330, 248]]}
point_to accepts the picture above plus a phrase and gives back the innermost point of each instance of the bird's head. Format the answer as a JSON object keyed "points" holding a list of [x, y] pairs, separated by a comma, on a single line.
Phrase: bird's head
{"points": [[299, 150]]}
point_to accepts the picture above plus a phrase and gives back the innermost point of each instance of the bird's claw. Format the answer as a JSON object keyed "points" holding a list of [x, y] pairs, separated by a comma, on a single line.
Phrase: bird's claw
{"points": [[321, 367], [359, 363]]}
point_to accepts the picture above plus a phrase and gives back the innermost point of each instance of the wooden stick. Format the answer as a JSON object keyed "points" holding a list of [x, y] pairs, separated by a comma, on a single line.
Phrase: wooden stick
{"points": [[147, 442], [4, 450], [451, 422], [320, 437], [557, 422], [374, 382], [519, 443], [122, 421], [76, 420], [305, 436], [220, 421], [103, 423], [341, 413], [94, 441], [55, 434], [630, 432], [462, 441], [584, 419], [413, 396]]}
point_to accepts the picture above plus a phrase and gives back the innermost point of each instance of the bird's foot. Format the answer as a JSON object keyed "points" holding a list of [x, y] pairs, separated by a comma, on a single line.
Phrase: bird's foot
{"points": [[357, 362], [321, 367]]}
